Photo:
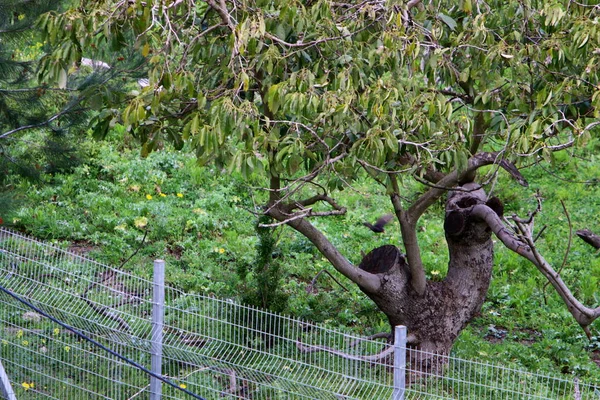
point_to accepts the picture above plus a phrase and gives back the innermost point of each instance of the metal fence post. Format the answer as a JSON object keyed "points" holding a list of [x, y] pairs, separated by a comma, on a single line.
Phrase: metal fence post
{"points": [[5, 387], [158, 310], [399, 362]]}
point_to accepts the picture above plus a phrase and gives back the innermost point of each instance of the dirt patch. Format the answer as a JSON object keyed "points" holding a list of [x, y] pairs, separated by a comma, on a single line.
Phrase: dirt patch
{"points": [[528, 336], [496, 334], [175, 251], [81, 247]]}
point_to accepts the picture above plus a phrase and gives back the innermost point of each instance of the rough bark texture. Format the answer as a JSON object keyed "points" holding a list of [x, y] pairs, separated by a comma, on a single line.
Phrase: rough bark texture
{"points": [[436, 317], [590, 238]]}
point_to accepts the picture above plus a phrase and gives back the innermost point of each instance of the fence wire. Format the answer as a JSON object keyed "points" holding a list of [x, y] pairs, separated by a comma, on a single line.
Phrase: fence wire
{"points": [[216, 348]]}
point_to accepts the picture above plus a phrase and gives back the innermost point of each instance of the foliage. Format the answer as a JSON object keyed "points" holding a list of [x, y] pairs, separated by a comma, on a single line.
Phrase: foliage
{"points": [[286, 86], [35, 119], [94, 211], [263, 287], [307, 95]]}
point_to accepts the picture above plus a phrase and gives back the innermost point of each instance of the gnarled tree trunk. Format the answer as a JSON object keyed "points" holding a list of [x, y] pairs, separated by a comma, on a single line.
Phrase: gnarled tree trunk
{"points": [[436, 318]]}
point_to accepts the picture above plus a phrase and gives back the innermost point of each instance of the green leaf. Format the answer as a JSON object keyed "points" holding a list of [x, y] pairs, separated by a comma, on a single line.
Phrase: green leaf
{"points": [[62, 78], [448, 21]]}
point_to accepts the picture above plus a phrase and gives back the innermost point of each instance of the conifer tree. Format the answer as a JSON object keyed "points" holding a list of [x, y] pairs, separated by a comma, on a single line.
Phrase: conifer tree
{"points": [[34, 118]]}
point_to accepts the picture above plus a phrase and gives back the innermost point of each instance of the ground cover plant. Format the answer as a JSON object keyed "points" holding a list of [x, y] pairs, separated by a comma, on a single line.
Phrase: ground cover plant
{"points": [[200, 222]]}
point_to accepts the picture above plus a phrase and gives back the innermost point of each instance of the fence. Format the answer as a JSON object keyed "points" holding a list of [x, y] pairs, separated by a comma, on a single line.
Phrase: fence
{"points": [[210, 347]]}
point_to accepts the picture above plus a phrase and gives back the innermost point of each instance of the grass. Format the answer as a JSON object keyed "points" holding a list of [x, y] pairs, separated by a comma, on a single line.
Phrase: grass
{"points": [[126, 211]]}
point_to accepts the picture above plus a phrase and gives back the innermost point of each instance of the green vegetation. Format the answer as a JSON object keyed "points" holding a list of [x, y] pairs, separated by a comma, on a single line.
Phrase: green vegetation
{"points": [[199, 220], [320, 115]]}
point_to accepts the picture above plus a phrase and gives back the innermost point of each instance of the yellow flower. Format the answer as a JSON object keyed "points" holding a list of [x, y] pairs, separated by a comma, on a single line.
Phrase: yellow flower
{"points": [[27, 385], [56, 331], [435, 272], [162, 195], [149, 196], [140, 222], [179, 195], [121, 227], [183, 385], [25, 343], [67, 348], [20, 333], [221, 250]]}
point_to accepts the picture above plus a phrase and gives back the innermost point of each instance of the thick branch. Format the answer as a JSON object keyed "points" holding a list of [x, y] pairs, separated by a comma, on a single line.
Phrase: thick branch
{"points": [[589, 237], [449, 181], [526, 248], [369, 282], [409, 218], [408, 229]]}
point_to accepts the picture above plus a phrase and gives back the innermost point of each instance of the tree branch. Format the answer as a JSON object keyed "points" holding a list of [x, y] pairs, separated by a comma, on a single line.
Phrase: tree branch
{"points": [[525, 247], [367, 281], [314, 348], [449, 181]]}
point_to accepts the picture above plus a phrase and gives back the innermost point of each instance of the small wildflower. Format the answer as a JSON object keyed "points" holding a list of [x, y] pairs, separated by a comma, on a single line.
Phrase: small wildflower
{"points": [[235, 199], [25, 343], [121, 227], [56, 331], [149, 196], [183, 385], [435, 272], [162, 195], [179, 194], [140, 222], [27, 385], [67, 348], [20, 333], [221, 250]]}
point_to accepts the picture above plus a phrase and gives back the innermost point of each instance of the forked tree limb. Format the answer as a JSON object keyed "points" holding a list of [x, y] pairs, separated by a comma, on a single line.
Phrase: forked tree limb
{"points": [[525, 247], [408, 218]]}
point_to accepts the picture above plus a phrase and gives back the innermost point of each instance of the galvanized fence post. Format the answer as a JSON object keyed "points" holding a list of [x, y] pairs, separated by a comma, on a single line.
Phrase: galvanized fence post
{"points": [[5, 387], [399, 362], [158, 313]]}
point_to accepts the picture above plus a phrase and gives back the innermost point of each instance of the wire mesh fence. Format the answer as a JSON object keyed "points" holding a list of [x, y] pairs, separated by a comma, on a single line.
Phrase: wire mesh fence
{"points": [[215, 348]]}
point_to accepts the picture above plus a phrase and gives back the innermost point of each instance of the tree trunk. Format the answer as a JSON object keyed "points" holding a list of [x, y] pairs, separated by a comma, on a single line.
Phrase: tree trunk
{"points": [[435, 319]]}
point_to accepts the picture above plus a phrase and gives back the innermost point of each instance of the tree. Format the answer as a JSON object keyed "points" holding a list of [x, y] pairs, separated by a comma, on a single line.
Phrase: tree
{"points": [[310, 94], [26, 105]]}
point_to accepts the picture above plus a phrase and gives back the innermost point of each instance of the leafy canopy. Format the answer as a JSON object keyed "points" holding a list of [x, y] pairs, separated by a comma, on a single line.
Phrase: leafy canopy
{"points": [[295, 86]]}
